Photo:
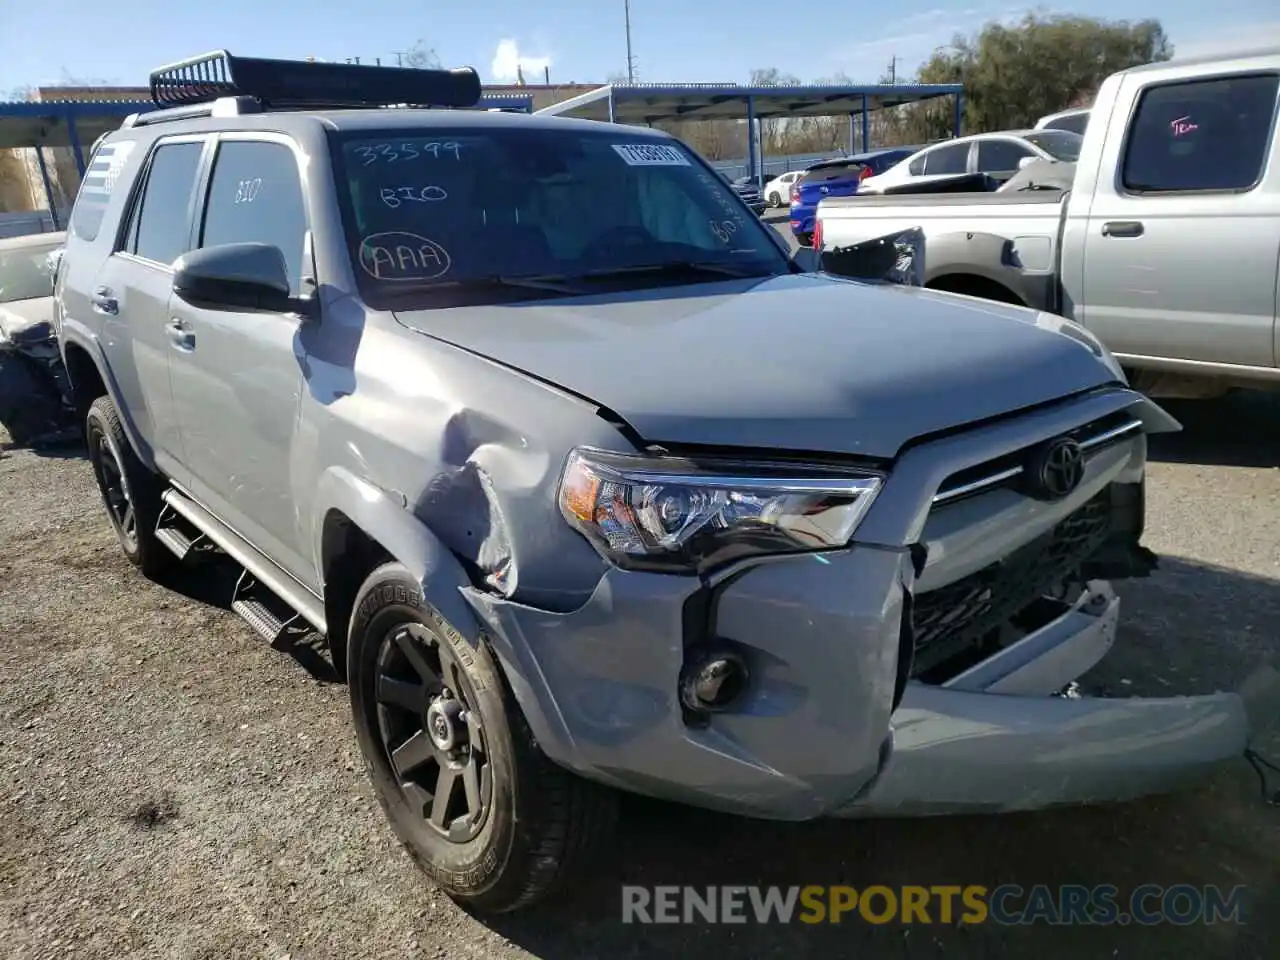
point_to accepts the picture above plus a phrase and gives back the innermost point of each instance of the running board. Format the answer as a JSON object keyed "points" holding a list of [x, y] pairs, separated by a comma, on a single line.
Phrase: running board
{"points": [[263, 572], [170, 533], [254, 605]]}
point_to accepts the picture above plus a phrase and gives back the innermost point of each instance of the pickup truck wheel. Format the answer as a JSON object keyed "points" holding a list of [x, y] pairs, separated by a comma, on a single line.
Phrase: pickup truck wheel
{"points": [[489, 818], [130, 492]]}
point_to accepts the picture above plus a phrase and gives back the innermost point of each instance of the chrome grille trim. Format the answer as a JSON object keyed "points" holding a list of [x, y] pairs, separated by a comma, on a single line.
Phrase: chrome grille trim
{"points": [[1090, 446]]}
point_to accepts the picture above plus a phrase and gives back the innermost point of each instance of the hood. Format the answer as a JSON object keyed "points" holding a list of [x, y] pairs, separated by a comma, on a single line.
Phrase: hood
{"points": [[21, 315], [801, 362]]}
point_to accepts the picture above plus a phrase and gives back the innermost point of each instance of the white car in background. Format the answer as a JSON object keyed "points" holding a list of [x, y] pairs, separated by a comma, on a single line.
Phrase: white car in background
{"points": [[777, 192], [1073, 120], [999, 155]]}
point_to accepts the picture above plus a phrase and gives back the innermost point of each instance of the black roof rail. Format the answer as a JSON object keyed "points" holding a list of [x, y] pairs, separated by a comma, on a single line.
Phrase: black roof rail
{"points": [[284, 84]]}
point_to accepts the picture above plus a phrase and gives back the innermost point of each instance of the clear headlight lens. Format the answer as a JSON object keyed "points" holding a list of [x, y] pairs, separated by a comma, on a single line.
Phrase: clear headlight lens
{"points": [[682, 516]]}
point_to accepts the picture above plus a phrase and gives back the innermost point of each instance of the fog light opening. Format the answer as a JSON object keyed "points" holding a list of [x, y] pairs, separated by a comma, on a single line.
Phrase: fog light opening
{"points": [[714, 682]]}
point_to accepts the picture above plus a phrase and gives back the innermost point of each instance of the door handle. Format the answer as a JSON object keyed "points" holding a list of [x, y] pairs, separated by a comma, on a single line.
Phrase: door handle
{"points": [[1122, 228], [104, 301], [180, 334]]}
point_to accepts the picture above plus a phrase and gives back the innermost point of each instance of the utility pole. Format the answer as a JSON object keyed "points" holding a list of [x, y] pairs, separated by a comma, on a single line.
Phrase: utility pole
{"points": [[631, 61], [893, 70]]}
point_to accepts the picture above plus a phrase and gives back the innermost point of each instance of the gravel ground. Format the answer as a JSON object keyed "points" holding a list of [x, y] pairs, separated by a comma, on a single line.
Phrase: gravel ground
{"points": [[171, 786]]}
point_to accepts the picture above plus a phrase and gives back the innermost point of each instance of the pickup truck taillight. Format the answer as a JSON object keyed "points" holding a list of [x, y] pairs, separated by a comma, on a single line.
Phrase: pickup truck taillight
{"points": [[795, 193], [866, 172], [817, 234]]}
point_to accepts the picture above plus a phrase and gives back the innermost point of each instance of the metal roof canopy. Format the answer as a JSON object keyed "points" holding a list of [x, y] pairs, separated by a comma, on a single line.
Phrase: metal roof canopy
{"points": [[77, 123], [647, 103], [650, 102]]}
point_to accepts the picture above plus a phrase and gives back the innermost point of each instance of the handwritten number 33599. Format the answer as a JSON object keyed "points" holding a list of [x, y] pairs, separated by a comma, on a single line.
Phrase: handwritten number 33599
{"points": [[393, 152]]}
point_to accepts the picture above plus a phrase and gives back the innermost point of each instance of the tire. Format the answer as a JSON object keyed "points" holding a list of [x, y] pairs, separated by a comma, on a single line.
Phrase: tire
{"points": [[775, 200], [533, 826], [120, 474]]}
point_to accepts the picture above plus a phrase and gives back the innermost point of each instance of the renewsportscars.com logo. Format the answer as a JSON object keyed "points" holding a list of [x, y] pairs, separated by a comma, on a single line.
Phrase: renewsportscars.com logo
{"points": [[1007, 905]]}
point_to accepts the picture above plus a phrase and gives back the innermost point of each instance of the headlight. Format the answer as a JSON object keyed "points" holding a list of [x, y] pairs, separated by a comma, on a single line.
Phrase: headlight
{"points": [[682, 516]]}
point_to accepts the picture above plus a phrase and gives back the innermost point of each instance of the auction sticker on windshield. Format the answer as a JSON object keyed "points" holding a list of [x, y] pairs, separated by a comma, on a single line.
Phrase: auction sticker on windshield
{"points": [[650, 155]]}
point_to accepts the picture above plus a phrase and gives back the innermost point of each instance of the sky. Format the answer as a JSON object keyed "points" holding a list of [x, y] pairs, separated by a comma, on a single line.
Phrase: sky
{"points": [[49, 41]]}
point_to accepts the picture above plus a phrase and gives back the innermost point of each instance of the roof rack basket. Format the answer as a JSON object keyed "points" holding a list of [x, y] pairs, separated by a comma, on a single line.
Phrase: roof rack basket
{"points": [[292, 83]]}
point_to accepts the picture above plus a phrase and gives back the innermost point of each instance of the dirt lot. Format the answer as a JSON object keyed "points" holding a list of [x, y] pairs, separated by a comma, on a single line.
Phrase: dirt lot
{"points": [[170, 786]]}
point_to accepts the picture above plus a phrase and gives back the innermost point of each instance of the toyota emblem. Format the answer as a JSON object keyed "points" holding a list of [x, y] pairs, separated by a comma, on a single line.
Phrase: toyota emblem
{"points": [[1057, 470]]}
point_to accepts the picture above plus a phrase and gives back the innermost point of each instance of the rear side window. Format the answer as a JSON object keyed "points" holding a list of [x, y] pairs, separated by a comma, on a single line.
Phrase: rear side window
{"points": [[946, 160], [256, 196], [1072, 123], [161, 226], [97, 188], [1202, 135], [998, 156]]}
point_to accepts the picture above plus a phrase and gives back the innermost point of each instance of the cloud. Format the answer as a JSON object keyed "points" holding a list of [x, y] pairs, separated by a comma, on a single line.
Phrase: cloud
{"points": [[508, 60], [913, 39], [1238, 38]]}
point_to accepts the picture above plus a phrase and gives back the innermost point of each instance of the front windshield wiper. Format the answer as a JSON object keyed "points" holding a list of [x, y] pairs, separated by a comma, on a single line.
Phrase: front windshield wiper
{"points": [[677, 267], [551, 283]]}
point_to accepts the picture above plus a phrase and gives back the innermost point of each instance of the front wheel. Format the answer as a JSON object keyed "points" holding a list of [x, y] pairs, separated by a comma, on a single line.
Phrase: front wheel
{"points": [[130, 492], [775, 200], [489, 818]]}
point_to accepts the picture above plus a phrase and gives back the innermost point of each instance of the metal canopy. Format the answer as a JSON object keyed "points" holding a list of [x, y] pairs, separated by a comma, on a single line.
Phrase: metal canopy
{"points": [[77, 124], [649, 103], [62, 123]]}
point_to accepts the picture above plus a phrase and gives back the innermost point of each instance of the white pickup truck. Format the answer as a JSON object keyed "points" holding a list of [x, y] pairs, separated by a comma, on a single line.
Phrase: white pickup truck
{"points": [[1166, 246]]}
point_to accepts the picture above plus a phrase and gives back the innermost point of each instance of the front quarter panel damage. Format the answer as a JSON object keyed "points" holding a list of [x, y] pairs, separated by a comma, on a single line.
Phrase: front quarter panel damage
{"points": [[471, 451]]}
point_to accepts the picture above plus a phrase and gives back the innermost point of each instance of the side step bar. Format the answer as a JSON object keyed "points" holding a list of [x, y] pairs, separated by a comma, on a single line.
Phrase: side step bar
{"points": [[169, 532], [259, 572]]}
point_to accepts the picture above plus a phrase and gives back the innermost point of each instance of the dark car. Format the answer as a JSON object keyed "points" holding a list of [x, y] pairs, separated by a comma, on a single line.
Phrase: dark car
{"points": [[836, 178], [746, 188]]}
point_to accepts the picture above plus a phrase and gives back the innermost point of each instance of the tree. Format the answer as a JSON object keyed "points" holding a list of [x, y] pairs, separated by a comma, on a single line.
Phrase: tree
{"points": [[1014, 74], [420, 57]]}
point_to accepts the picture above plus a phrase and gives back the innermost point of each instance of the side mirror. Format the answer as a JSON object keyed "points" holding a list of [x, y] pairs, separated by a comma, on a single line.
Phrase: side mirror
{"points": [[235, 276], [807, 260], [1026, 162]]}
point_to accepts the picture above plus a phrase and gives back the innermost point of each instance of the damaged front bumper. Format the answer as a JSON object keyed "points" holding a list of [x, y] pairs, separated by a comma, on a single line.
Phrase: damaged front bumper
{"points": [[817, 733]]}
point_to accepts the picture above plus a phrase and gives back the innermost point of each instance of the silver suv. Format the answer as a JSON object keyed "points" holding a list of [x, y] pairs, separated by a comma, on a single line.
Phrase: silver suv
{"points": [[590, 486]]}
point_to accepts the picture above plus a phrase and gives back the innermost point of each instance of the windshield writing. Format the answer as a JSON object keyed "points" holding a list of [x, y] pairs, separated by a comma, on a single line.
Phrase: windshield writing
{"points": [[428, 214]]}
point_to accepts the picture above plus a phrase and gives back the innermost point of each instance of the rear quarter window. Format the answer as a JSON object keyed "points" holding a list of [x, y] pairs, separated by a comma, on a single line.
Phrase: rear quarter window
{"points": [[101, 179], [1209, 134]]}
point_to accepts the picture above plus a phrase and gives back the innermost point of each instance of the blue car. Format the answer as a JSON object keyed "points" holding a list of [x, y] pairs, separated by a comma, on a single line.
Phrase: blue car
{"points": [[836, 178]]}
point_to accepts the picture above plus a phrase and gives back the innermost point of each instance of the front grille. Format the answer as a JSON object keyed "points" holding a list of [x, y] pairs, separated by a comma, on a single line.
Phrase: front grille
{"points": [[952, 618], [1093, 437]]}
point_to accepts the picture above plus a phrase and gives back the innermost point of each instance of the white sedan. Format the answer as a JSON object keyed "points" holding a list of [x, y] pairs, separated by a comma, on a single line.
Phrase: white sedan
{"points": [[999, 155], [777, 192]]}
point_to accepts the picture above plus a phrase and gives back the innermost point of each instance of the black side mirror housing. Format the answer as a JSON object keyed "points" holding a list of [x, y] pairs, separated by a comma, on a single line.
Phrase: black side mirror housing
{"points": [[235, 276]]}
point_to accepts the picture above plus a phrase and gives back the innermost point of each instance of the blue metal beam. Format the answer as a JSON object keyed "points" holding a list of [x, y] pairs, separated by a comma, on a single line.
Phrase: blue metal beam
{"points": [[866, 126], [853, 144], [752, 170], [959, 110], [48, 187], [76, 150]]}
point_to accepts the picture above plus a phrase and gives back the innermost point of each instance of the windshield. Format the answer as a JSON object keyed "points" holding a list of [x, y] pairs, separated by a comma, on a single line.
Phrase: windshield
{"points": [[441, 219], [26, 272], [1059, 144]]}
